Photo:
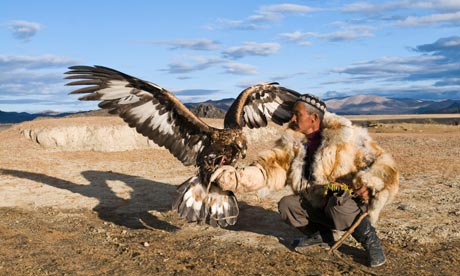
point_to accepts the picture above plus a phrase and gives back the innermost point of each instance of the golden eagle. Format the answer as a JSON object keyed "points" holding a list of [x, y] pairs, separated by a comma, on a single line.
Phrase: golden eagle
{"points": [[157, 114]]}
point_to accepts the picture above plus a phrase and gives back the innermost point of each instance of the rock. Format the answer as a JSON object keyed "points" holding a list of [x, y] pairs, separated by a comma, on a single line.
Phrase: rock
{"points": [[88, 138], [207, 111], [404, 207], [106, 134]]}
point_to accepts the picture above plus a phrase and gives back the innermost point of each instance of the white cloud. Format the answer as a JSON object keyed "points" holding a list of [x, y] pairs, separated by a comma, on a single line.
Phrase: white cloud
{"points": [[347, 32], [365, 7], [386, 67], [193, 44], [345, 35], [405, 90], [8, 63], [445, 5], [252, 49], [276, 12], [239, 69], [264, 14], [438, 65], [189, 64], [432, 19], [23, 30], [195, 63], [33, 76], [286, 9], [236, 25], [288, 76], [297, 37], [449, 47]]}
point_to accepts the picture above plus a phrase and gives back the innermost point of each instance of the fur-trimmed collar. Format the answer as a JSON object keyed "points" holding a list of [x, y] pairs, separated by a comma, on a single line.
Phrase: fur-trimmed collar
{"points": [[335, 130]]}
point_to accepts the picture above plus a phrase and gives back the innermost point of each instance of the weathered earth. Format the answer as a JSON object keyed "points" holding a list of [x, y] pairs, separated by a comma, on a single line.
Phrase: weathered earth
{"points": [[86, 196]]}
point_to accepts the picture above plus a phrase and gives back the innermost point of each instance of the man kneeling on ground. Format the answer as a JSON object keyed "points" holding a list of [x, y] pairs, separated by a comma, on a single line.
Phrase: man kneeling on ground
{"points": [[336, 170]]}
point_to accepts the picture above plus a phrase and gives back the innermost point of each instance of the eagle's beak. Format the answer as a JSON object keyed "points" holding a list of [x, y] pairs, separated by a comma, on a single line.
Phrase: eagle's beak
{"points": [[243, 154]]}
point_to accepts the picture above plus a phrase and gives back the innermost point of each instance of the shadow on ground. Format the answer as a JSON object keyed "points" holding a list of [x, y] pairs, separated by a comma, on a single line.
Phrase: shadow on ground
{"points": [[145, 195]]}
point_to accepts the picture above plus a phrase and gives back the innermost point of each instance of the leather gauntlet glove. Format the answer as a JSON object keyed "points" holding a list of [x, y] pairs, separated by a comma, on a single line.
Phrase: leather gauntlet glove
{"points": [[250, 178]]}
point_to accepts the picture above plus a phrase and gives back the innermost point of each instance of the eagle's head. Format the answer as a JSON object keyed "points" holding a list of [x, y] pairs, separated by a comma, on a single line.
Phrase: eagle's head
{"points": [[226, 147], [240, 146]]}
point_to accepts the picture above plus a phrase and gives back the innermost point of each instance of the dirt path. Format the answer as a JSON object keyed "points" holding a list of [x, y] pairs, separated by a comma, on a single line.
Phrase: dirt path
{"points": [[107, 213]]}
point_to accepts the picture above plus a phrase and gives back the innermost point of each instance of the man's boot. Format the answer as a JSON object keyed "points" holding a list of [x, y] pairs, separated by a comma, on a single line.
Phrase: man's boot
{"points": [[366, 235], [315, 234]]}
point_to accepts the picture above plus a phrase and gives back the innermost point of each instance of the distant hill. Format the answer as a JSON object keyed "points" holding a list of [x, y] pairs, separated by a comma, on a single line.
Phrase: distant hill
{"points": [[378, 105], [223, 104], [353, 105], [207, 110], [17, 117], [444, 107], [97, 112]]}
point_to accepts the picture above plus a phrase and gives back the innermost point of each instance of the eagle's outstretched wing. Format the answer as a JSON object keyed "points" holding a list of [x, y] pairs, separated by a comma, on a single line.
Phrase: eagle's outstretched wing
{"points": [[152, 110], [258, 104]]}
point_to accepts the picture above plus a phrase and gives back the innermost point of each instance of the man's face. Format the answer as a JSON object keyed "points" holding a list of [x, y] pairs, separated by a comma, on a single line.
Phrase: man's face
{"points": [[302, 120]]}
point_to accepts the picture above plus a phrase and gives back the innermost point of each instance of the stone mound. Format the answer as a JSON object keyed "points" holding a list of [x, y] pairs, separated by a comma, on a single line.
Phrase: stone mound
{"points": [[109, 134]]}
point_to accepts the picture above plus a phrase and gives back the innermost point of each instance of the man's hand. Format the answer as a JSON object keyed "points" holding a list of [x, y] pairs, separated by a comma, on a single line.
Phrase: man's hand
{"points": [[226, 177], [362, 192]]}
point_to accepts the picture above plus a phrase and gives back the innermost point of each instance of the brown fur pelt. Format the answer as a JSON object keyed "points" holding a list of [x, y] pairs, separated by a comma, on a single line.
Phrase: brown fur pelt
{"points": [[347, 155]]}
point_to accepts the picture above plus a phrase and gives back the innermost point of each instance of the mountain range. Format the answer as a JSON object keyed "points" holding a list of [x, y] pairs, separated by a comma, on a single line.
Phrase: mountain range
{"points": [[353, 105], [378, 105]]}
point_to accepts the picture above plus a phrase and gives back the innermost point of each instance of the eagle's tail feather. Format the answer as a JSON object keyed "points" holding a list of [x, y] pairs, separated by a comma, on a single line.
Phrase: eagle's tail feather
{"points": [[190, 202], [195, 204], [223, 205]]}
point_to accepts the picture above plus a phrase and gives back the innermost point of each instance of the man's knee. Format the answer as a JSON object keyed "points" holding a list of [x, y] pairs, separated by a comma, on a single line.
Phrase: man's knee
{"points": [[292, 212], [286, 204], [342, 211]]}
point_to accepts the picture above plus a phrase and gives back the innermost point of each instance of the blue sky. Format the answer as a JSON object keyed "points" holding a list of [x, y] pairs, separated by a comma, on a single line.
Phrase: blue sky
{"points": [[203, 50]]}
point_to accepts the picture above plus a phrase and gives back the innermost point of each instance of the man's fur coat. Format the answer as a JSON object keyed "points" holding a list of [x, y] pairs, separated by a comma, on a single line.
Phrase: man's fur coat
{"points": [[347, 155]]}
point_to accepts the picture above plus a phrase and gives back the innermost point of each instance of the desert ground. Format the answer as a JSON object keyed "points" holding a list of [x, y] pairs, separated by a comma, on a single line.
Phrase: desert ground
{"points": [[86, 196]]}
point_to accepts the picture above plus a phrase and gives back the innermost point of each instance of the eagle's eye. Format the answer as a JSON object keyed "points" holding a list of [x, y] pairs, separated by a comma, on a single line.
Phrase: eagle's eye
{"points": [[242, 148], [243, 153], [240, 145]]}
